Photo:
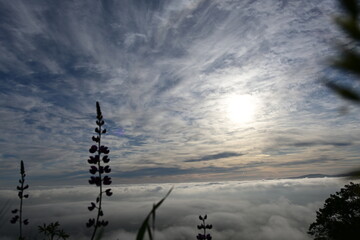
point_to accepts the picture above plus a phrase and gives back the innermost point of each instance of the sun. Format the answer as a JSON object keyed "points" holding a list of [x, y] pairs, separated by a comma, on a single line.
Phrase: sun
{"points": [[241, 108]]}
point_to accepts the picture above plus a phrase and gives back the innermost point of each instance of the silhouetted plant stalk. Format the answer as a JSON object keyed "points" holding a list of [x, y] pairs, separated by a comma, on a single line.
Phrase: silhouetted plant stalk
{"points": [[204, 226], [18, 217], [98, 170]]}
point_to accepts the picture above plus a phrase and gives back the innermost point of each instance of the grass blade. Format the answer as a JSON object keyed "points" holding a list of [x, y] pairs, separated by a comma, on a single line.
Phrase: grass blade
{"points": [[146, 225]]}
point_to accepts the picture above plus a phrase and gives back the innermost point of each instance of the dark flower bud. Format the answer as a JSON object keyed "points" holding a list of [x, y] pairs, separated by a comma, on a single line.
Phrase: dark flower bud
{"points": [[93, 170], [104, 131], [26, 222], [90, 222], [18, 188], [107, 180], [97, 181], [100, 123], [200, 217], [97, 130], [14, 211], [93, 149], [104, 150], [101, 213], [199, 227], [97, 199], [91, 160], [92, 207], [14, 219], [94, 180], [106, 159], [205, 217], [104, 223], [22, 168], [107, 169], [20, 194], [26, 187], [95, 139], [98, 110], [101, 169], [200, 236], [26, 195], [20, 181], [208, 237], [108, 192]]}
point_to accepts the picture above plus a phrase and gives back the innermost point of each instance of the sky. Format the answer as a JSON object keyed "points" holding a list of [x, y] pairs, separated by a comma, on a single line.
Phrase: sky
{"points": [[190, 90], [245, 210], [220, 99]]}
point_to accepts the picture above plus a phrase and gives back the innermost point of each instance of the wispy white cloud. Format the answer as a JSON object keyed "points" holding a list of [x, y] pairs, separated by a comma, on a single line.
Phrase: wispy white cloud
{"points": [[163, 72]]}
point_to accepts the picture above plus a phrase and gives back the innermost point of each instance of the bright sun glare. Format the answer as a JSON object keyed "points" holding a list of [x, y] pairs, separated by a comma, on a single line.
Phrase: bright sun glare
{"points": [[241, 108]]}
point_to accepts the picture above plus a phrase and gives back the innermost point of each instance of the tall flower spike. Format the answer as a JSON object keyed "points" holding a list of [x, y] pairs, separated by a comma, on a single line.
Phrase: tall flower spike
{"points": [[98, 170], [19, 212], [204, 226]]}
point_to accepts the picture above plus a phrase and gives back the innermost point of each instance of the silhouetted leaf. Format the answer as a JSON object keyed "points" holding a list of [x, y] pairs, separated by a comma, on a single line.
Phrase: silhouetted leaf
{"points": [[344, 92]]}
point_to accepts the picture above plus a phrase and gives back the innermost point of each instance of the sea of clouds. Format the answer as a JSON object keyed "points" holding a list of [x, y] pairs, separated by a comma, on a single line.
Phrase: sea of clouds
{"points": [[266, 209]]}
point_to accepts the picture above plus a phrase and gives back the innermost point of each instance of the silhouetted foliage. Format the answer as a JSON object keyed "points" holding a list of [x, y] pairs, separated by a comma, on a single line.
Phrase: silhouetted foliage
{"points": [[348, 59], [148, 227], [204, 226], [340, 216], [52, 230], [98, 170], [349, 54], [19, 211]]}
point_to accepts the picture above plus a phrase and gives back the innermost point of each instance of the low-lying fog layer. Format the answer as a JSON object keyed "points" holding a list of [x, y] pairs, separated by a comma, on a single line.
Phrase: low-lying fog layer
{"points": [[268, 209]]}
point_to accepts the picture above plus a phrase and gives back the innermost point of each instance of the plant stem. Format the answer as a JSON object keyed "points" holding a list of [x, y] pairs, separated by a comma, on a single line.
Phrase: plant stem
{"points": [[21, 202], [100, 194], [204, 227]]}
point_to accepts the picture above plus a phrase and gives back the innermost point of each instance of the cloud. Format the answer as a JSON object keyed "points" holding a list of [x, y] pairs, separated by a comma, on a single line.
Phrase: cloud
{"points": [[215, 156], [166, 171], [267, 210], [162, 72], [308, 161], [317, 143]]}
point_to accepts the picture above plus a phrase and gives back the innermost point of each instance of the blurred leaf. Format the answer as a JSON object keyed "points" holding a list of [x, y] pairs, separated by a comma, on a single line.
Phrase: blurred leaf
{"points": [[100, 234], [351, 7], [145, 226], [349, 60], [344, 92], [349, 26]]}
